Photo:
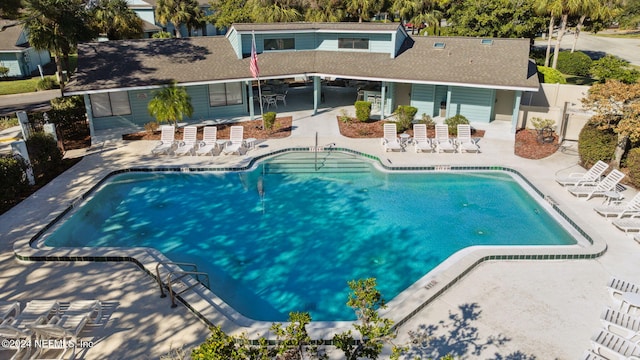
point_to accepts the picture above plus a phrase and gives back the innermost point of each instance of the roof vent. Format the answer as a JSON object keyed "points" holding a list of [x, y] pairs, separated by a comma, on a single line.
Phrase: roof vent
{"points": [[438, 45], [486, 42]]}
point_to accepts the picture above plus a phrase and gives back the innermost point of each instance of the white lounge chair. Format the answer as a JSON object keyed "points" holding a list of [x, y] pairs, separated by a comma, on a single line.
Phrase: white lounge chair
{"points": [[609, 183], [590, 355], [464, 141], [618, 287], [20, 327], [209, 141], [282, 97], [590, 177], [390, 139], [621, 324], [621, 208], [9, 309], [420, 140], [235, 142], [627, 225], [612, 346], [442, 142], [189, 140], [167, 136], [69, 325]]}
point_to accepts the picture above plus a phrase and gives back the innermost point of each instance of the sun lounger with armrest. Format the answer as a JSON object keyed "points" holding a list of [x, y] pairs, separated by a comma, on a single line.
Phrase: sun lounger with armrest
{"points": [[236, 140], [390, 139], [609, 183], [621, 208], [420, 140], [167, 135], [209, 141], [612, 346], [441, 141], [189, 140], [590, 177]]}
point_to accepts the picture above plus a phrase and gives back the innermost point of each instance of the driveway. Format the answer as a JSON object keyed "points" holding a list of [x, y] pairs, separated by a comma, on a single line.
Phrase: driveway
{"points": [[598, 46]]}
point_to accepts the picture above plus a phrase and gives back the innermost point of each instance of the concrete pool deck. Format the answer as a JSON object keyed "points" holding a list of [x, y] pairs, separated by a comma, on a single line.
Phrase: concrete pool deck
{"points": [[542, 309]]}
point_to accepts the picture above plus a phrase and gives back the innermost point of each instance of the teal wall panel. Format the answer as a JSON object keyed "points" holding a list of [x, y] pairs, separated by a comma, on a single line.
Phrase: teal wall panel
{"points": [[473, 103], [422, 96]]}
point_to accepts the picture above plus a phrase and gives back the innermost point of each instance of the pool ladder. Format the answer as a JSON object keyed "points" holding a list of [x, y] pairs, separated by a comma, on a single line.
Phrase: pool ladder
{"points": [[175, 277]]}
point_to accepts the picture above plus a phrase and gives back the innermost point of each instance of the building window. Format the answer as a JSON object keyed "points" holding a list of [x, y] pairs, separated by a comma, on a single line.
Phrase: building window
{"points": [[352, 43], [279, 44], [110, 104], [439, 45], [225, 94]]}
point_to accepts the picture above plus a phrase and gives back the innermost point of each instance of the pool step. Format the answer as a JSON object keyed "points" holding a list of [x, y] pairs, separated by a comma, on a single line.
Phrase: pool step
{"points": [[307, 163]]}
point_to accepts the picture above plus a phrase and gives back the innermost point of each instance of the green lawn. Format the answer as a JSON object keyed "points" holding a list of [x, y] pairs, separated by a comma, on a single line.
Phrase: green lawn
{"points": [[622, 35], [29, 85], [18, 86]]}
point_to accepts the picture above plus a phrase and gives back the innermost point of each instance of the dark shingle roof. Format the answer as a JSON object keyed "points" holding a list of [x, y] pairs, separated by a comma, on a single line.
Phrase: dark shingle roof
{"points": [[293, 26], [152, 62], [9, 34]]}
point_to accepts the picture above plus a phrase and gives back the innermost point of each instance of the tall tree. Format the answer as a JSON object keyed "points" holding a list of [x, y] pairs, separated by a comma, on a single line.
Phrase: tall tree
{"points": [[171, 103], [543, 7], [565, 8], [227, 12], [494, 18], [406, 9], [58, 26], [115, 19], [325, 11], [178, 12], [274, 11], [617, 107], [363, 9], [10, 9]]}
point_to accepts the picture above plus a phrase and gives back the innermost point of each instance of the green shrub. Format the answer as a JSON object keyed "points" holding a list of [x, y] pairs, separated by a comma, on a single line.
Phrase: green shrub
{"points": [[613, 67], [269, 120], [13, 179], [539, 123], [47, 83], [576, 63], [550, 76], [595, 144], [151, 126], [633, 165], [453, 122], [75, 102], [427, 120], [44, 153], [363, 110], [404, 117], [4, 71], [8, 121], [344, 116]]}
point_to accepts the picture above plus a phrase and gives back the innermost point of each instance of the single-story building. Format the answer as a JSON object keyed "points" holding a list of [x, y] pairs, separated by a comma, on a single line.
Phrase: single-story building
{"points": [[15, 51], [145, 9], [480, 78]]}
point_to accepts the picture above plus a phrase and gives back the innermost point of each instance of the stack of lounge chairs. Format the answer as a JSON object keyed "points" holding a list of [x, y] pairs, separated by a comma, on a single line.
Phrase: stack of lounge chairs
{"points": [[44, 320], [619, 338]]}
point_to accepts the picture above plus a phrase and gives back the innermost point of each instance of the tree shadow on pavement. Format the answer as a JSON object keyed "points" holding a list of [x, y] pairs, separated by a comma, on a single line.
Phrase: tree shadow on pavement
{"points": [[457, 336]]}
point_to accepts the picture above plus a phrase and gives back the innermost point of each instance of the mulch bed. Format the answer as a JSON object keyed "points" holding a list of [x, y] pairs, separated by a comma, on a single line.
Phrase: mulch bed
{"points": [[252, 129], [527, 145], [375, 129]]}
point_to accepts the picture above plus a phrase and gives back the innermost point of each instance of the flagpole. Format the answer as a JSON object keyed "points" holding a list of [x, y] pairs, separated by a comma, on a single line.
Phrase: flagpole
{"points": [[254, 53]]}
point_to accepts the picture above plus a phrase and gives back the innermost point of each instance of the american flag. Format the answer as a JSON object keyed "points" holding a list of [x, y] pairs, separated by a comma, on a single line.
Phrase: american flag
{"points": [[254, 60]]}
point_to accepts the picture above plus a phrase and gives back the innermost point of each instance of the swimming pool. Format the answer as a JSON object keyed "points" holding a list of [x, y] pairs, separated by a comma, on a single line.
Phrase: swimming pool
{"points": [[295, 247]]}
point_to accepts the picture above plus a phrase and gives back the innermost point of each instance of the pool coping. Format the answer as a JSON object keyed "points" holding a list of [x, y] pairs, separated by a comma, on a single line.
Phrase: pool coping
{"points": [[213, 311]]}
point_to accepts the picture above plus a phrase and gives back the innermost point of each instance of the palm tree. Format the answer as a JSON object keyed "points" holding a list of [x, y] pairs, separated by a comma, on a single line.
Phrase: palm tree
{"points": [[325, 11], [566, 8], [267, 11], [179, 12], [170, 104], [545, 7], [115, 19], [58, 26], [405, 9], [363, 8], [596, 9]]}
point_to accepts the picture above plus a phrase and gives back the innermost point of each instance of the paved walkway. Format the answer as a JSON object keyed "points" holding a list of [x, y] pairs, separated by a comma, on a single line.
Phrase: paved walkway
{"points": [[541, 309]]}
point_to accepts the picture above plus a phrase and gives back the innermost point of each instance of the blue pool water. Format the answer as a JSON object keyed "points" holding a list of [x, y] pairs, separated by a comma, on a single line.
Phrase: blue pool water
{"points": [[296, 249]]}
